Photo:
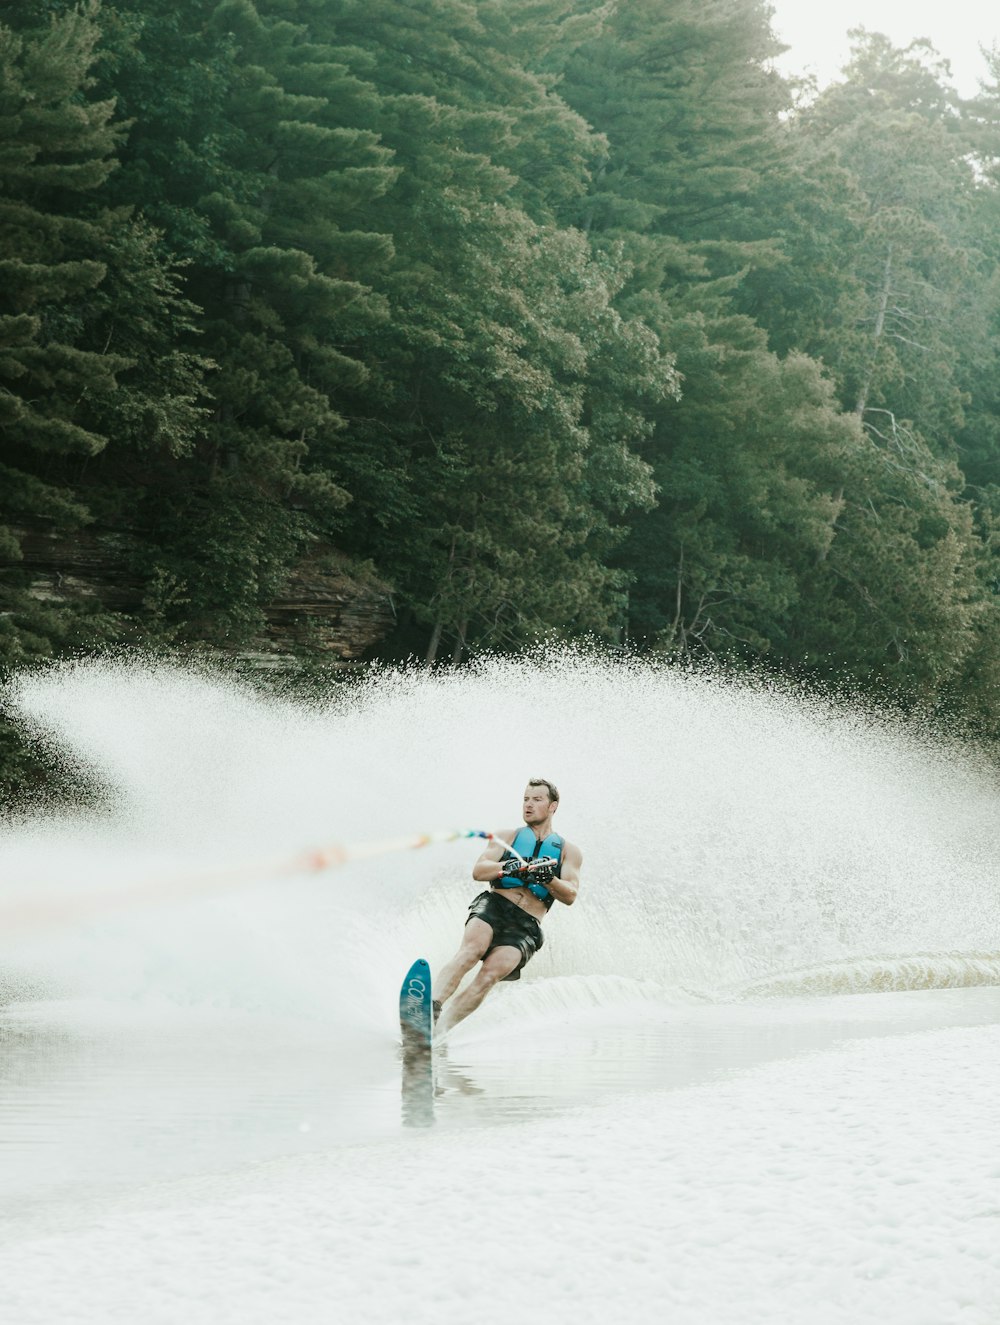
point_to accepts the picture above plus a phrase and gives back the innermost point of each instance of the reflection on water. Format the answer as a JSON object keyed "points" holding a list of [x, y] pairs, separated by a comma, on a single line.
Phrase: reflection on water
{"points": [[417, 1088], [548, 1066], [93, 1101], [90, 1099]]}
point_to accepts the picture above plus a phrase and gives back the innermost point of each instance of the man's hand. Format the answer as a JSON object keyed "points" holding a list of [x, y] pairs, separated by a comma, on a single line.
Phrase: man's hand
{"points": [[529, 871], [541, 871]]}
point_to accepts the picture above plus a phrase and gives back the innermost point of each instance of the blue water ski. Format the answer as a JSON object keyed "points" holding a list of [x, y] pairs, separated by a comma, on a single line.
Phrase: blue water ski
{"points": [[416, 1020]]}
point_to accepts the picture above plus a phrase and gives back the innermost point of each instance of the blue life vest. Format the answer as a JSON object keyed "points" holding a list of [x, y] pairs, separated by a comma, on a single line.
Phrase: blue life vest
{"points": [[526, 844]]}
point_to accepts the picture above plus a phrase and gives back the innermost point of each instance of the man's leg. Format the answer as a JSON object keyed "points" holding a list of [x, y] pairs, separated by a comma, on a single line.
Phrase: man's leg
{"points": [[476, 939], [497, 965]]}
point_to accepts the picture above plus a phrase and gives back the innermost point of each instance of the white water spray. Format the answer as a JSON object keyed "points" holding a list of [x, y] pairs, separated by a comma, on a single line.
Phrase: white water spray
{"points": [[734, 837]]}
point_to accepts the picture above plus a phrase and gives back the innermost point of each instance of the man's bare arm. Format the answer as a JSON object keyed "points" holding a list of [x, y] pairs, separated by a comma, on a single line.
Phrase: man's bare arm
{"points": [[565, 888], [487, 867]]}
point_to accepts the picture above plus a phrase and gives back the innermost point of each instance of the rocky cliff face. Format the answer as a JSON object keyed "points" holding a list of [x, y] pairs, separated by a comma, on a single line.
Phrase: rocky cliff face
{"points": [[329, 610], [326, 609]]}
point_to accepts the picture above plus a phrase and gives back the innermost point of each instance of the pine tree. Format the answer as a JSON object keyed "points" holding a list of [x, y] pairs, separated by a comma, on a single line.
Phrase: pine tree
{"points": [[912, 274], [250, 149], [690, 111], [88, 316], [510, 469]]}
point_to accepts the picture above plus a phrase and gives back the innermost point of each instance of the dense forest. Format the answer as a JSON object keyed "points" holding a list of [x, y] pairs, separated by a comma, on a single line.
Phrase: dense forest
{"points": [[501, 321]]}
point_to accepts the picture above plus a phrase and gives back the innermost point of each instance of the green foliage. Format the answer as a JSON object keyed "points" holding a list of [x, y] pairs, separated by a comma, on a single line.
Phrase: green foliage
{"points": [[512, 394], [558, 315], [88, 318], [787, 531]]}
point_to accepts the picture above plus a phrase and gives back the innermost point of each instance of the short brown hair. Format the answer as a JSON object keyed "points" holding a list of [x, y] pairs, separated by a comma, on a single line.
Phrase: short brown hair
{"points": [[544, 782]]}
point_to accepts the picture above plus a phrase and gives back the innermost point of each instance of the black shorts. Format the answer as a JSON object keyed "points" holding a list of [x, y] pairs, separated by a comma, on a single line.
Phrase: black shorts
{"points": [[512, 928]]}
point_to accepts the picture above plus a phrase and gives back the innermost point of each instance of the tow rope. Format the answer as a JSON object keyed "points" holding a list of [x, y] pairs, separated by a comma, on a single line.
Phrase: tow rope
{"points": [[30, 909]]}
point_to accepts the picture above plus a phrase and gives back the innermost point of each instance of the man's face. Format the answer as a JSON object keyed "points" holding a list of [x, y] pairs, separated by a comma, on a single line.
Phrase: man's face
{"points": [[537, 806]]}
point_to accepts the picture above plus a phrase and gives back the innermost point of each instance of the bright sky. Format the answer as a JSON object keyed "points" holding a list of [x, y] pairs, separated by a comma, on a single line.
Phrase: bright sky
{"points": [[817, 32]]}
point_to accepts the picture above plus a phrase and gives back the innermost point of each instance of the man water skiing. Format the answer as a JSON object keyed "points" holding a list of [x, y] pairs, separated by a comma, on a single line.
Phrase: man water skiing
{"points": [[527, 869]]}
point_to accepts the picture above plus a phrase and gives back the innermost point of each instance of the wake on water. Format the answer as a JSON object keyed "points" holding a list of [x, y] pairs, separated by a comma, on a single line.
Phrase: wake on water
{"points": [[739, 841]]}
